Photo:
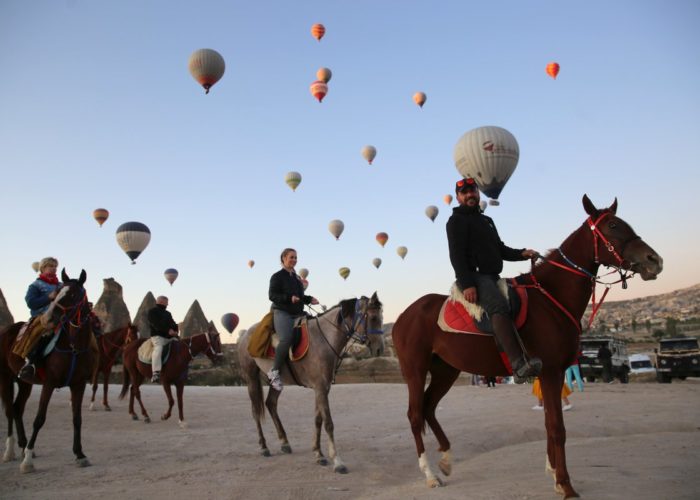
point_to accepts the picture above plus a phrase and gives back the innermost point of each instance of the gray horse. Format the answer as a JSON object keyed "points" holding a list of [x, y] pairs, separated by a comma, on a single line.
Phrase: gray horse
{"points": [[358, 320]]}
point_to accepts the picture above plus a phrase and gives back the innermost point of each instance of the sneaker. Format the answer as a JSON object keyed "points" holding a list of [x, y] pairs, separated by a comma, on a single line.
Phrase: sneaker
{"points": [[26, 374], [156, 377], [538, 407], [275, 380], [526, 368], [567, 407]]}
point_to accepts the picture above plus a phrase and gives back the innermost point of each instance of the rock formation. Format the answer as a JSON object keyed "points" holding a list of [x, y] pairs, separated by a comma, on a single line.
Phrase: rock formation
{"points": [[195, 322], [141, 318], [110, 307], [5, 314]]}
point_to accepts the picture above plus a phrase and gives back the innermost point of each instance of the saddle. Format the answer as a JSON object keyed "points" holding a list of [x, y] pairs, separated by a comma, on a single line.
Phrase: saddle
{"points": [[146, 352], [263, 341], [459, 316]]}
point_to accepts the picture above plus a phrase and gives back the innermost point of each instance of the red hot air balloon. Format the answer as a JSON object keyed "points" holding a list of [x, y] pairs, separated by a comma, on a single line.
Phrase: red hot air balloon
{"points": [[230, 321], [317, 31], [552, 69], [319, 90], [100, 215], [382, 238]]}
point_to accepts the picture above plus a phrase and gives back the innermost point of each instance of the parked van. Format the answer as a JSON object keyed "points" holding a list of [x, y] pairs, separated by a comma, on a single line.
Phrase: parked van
{"points": [[641, 363]]}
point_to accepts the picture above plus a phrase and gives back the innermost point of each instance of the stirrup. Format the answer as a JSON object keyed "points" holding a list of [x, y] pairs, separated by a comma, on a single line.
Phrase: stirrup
{"points": [[275, 380], [526, 368], [156, 377], [27, 372]]}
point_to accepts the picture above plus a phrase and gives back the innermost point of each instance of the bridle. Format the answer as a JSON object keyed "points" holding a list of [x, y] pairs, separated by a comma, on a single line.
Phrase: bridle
{"points": [[72, 316], [570, 266], [209, 349]]}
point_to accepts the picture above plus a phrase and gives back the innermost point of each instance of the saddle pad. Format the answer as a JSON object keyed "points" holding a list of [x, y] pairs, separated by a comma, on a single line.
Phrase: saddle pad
{"points": [[259, 341], [146, 352], [298, 350]]}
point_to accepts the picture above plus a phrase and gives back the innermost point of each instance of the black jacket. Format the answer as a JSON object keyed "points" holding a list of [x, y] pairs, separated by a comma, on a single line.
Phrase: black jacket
{"points": [[283, 285], [161, 321], [475, 245]]}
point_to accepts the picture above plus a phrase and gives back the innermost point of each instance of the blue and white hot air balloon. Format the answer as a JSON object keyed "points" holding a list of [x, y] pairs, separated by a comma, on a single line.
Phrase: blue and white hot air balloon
{"points": [[133, 238]]}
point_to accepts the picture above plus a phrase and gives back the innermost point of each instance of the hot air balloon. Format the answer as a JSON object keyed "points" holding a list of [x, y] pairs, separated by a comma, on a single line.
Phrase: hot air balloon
{"points": [[319, 90], [336, 228], [483, 205], [207, 67], [419, 98], [303, 272], [344, 272], [133, 238], [304, 283], [447, 198], [382, 238], [230, 322], [317, 31], [293, 179], [100, 215], [251, 263], [171, 275], [552, 69], [35, 266], [432, 211], [376, 262], [368, 153], [402, 251], [324, 75], [489, 155]]}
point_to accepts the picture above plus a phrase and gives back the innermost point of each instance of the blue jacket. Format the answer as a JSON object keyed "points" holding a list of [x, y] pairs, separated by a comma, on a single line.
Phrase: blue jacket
{"points": [[37, 297]]}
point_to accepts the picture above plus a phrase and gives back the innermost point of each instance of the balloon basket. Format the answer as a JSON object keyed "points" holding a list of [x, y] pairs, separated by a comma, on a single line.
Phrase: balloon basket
{"points": [[494, 203]]}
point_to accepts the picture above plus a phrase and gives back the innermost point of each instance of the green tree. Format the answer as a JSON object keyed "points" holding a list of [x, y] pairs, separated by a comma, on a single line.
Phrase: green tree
{"points": [[634, 325], [671, 327], [647, 325], [658, 334]]}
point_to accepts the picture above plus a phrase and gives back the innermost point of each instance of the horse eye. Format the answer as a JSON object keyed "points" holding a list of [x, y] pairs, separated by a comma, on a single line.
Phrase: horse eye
{"points": [[612, 225]]}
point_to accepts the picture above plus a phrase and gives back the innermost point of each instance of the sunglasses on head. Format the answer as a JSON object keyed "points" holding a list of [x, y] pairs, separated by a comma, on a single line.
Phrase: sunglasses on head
{"points": [[464, 185]]}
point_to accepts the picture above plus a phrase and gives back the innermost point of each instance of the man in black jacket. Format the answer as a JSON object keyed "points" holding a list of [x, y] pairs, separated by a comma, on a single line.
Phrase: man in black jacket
{"points": [[477, 254], [163, 329]]}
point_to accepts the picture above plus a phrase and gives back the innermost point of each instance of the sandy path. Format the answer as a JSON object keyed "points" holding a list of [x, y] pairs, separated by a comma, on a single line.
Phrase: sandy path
{"points": [[624, 441]]}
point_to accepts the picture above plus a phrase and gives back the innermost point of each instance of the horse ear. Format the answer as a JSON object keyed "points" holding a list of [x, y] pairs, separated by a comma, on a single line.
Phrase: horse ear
{"points": [[374, 300], [589, 207], [83, 277], [613, 207], [64, 276]]}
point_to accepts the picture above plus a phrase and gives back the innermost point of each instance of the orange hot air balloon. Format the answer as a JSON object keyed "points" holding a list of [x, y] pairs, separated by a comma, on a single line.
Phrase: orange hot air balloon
{"points": [[100, 215], [317, 31], [553, 69], [382, 238], [419, 98], [251, 263], [319, 90], [447, 198], [324, 74]]}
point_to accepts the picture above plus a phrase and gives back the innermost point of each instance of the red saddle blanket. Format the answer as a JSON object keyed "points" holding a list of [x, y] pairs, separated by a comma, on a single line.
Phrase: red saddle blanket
{"points": [[299, 350]]}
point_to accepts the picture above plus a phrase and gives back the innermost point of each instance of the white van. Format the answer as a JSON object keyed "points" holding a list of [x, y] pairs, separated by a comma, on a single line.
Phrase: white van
{"points": [[641, 363]]}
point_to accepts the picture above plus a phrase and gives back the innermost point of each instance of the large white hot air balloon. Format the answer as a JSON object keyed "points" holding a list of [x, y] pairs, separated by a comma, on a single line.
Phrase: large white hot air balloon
{"points": [[489, 155], [336, 228], [133, 238], [207, 67], [432, 212]]}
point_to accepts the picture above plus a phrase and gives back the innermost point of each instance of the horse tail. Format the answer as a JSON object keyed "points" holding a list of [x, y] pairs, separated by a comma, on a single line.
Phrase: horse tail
{"points": [[125, 381]]}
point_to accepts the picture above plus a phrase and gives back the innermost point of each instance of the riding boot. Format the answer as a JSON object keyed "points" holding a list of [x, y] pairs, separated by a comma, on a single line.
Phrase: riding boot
{"points": [[507, 336], [28, 371]]}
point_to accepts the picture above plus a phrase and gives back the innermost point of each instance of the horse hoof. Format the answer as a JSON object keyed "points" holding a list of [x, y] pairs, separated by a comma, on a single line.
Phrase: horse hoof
{"points": [[107, 408], [286, 448], [182, 424], [24, 468], [92, 407], [82, 462], [340, 469], [445, 467], [134, 417], [434, 482], [322, 461], [566, 490], [8, 456], [266, 453], [147, 420]]}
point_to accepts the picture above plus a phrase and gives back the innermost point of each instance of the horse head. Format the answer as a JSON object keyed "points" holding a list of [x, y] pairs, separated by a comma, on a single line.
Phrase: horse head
{"points": [[70, 303], [214, 352], [363, 321], [617, 245]]}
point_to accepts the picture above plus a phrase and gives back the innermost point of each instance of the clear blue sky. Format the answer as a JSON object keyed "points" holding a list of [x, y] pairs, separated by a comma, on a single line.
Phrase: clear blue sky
{"points": [[97, 109]]}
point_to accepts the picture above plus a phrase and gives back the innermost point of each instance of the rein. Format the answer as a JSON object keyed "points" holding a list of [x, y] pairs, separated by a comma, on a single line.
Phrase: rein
{"points": [[72, 320]]}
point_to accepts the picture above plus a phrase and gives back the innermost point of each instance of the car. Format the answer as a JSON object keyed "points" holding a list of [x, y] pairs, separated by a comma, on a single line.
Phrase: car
{"points": [[592, 368], [677, 358], [641, 363]]}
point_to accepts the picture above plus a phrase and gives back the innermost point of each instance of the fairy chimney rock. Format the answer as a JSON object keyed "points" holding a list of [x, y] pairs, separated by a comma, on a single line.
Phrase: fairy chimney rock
{"points": [[141, 318], [110, 307], [195, 322], [212, 327], [5, 314]]}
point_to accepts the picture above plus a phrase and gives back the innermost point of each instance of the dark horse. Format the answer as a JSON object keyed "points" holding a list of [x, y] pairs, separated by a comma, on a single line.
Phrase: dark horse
{"points": [[70, 363], [562, 285], [110, 346], [174, 371], [329, 333]]}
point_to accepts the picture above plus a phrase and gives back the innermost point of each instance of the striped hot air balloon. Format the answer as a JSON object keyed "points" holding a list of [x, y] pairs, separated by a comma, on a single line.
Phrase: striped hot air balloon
{"points": [[552, 69], [382, 238], [317, 31], [319, 90], [171, 275], [344, 272], [100, 215], [419, 98], [133, 238], [229, 321], [324, 75], [206, 66], [293, 179]]}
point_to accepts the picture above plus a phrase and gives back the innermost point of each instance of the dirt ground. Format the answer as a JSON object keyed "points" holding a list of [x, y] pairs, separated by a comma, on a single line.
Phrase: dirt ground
{"points": [[624, 441]]}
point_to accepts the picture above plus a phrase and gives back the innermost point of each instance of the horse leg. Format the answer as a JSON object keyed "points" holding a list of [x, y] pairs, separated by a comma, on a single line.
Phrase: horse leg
{"points": [[76, 395], [106, 374], [7, 391], [171, 401], [23, 392], [95, 384], [271, 403], [255, 394], [442, 376], [46, 393], [556, 433], [316, 442], [179, 389], [136, 393], [322, 403]]}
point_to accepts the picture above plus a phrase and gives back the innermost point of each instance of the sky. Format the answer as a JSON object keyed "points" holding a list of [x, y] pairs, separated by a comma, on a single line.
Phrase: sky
{"points": [[98, 109]]}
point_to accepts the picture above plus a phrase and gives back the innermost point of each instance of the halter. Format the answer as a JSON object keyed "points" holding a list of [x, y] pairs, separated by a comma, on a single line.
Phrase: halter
{"points": [[73, 318]]}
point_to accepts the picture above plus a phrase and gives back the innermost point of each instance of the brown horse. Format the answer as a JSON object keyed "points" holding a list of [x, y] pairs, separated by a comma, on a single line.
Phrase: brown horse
{"points": [[174, 371], [70, 363], [562, 284], [110, 346]]}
